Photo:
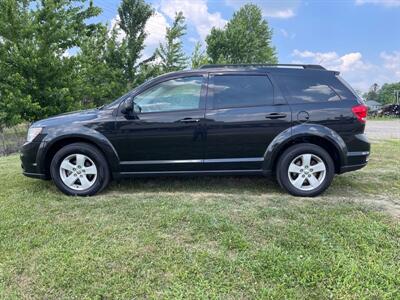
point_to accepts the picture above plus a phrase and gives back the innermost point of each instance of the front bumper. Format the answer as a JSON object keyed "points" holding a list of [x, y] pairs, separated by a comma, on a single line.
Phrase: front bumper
{"points": [[29, 164]]}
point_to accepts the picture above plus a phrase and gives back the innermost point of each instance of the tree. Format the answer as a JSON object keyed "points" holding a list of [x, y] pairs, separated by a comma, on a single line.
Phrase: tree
{"points": [[37, 79], [172, 57], [246, 38], [110, 61], [199, 57], [386, 94], [101, 71], [133, 16], [15, 104], [372, 93]]}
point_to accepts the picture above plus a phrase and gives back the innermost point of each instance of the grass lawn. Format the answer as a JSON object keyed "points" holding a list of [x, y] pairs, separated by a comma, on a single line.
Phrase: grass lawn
{"points": [[210, 237]]}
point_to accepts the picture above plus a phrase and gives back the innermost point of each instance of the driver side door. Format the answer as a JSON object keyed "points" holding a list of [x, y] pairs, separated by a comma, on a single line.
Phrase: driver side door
{"points": [[166, 131]]}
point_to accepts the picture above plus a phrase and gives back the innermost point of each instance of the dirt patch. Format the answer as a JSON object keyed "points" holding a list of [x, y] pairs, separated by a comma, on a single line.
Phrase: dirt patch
{"points": [[381, 130]]}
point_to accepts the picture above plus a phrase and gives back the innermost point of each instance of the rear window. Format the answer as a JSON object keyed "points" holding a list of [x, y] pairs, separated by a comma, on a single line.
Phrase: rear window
{"points": [[345, 91], [310, 89], [241, 90]]}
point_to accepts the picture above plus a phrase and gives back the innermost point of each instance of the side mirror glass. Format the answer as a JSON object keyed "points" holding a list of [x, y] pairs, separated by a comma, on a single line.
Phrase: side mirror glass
{"points": [[136, 107], [127, 106]]}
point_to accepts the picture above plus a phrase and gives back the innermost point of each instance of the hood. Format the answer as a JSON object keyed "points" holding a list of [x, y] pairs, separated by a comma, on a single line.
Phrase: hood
{"points": [[68, 118]]}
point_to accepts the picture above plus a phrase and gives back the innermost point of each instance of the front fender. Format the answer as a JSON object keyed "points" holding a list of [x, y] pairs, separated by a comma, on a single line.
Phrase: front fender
{"points": [[57, 135], [290, 135]]}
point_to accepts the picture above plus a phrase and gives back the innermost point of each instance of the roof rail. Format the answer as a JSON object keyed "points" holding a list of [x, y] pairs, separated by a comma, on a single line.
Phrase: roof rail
{"points": [[306, 66]]}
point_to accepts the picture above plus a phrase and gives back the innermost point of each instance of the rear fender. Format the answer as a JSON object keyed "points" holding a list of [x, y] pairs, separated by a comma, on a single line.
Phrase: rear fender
{"points": [[302, 132]]}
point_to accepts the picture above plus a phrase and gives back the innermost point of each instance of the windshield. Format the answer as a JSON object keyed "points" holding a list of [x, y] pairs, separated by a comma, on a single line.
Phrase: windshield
{"points": [[115, 102]]}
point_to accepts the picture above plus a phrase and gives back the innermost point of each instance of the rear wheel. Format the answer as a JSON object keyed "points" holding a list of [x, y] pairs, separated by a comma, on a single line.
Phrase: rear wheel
{"points": [[305, 170], [79, 169]]}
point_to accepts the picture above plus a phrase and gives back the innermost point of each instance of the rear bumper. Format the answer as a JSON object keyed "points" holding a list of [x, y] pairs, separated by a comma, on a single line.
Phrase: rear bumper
{"points": [[355, 161], [358, 153]]}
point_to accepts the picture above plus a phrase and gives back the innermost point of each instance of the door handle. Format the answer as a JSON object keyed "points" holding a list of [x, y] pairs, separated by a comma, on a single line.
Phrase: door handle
{"points": [[189, 120], [275, 116]]}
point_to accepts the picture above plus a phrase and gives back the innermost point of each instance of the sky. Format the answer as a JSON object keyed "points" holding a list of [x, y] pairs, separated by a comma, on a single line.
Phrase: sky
{"points": [[359, 38]]}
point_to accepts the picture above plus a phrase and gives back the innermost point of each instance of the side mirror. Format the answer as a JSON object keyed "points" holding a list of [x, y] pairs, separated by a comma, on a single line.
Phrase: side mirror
{"points": [[127, 107]]}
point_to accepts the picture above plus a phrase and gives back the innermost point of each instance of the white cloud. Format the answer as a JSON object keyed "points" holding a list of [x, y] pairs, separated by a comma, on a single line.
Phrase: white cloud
{"points": [[156, 28], [360, 73], [391, 61], [196, 13], [193, 40], [286, 34], [388, 3], [273, 9]]}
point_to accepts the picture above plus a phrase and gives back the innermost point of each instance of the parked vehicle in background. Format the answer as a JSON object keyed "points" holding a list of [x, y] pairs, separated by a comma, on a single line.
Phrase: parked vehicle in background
{"points": [[301, 123], [389, 110]]}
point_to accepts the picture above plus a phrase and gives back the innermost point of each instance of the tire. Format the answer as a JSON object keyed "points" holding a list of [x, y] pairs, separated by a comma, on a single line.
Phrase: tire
{"points": [[84, 163], [297, 176]]}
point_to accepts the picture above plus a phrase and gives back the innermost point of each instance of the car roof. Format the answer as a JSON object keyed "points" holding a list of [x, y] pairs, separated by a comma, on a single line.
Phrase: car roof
{"points": [[275, 68]]}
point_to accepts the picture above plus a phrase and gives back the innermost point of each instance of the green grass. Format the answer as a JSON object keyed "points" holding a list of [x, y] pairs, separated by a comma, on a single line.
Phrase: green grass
{"points": [[382, 118], [211, 237]]}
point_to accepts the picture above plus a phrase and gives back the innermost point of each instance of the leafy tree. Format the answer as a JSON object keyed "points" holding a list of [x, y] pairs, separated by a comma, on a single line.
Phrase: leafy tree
{"points": [[101, 69], [199, 57], [386, 94], [109, 62], [372, 93], [133, 15], [36, 78], [172, 57], [15, 104], [246, 38]]}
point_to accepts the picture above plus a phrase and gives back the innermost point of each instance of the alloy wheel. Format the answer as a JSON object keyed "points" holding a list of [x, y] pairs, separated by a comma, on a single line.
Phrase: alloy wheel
{"points": [[307, 172], [78, 172]]}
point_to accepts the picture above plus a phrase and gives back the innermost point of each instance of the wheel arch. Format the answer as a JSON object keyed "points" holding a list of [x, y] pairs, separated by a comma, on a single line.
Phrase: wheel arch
{"points": [[50, 148], [319, 135]]}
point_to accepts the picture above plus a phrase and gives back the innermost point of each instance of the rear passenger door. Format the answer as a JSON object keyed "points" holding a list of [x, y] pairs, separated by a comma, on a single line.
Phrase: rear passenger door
{"points": [[244, 113]]}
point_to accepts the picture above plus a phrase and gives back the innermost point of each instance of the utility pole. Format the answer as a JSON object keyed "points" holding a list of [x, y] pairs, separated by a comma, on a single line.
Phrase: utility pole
{"points": [[397, 95]]}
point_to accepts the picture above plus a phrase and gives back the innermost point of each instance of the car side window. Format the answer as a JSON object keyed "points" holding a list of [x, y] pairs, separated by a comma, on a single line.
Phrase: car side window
{"points": [[171, 95], [231, 91], [309, 89]]}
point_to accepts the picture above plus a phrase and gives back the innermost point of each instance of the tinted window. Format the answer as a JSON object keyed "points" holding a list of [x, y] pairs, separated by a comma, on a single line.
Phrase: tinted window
{"points": [[345, 91], [170, 95], [242, 90], [308, 89]]}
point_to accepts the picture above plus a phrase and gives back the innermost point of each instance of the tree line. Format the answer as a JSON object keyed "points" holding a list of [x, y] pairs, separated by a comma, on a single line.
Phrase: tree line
{"points": [[38, 79], [386, 94]]}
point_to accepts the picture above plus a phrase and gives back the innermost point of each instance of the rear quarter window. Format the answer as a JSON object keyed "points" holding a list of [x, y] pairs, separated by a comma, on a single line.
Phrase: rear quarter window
{"points": [[306, 88], [232, 91]]}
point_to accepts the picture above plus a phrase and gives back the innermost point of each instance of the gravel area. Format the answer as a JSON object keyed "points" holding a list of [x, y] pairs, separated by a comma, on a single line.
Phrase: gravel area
{"points": [[383, 130]]}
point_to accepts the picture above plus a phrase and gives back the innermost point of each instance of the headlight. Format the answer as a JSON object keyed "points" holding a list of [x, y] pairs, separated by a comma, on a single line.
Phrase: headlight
{"points": [[32, 133]]}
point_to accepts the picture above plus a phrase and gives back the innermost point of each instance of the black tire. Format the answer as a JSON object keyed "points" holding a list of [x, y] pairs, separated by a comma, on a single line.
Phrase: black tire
{"points": [[289, 155], [103, 173]]}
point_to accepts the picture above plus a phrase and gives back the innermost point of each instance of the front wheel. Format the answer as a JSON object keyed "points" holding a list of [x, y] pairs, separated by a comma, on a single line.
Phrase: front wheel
{"points": [[79, 169], [305, 170]]}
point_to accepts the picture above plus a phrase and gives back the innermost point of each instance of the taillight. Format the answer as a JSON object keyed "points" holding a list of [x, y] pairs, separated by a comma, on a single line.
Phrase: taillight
{"points": [[360, 111]]}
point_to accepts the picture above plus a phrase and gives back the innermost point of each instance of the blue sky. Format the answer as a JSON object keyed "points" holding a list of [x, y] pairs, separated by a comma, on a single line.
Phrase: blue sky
{"points": [[359, 38]]}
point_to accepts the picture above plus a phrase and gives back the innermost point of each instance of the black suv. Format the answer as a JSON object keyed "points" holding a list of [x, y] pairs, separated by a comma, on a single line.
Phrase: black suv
{"points": [[302, 123]]}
